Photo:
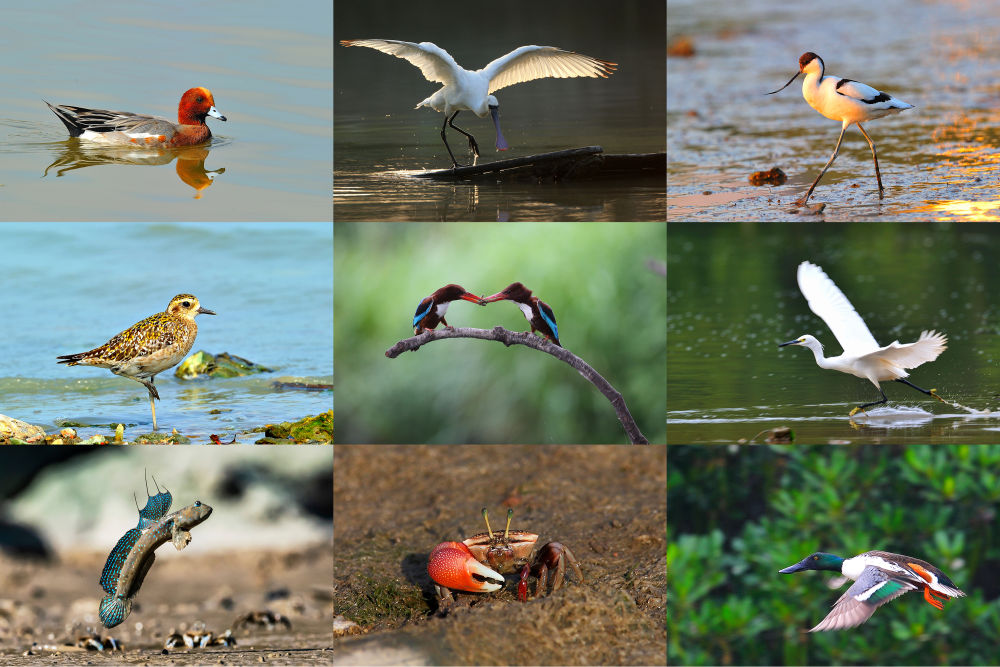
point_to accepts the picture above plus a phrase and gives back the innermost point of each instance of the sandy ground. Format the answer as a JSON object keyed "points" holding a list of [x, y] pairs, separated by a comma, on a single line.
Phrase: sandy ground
{"points": [[393, 504], [51, 604]]}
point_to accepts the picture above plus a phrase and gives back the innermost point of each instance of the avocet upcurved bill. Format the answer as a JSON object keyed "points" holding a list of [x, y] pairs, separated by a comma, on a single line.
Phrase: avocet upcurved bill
{"points": [[464, 90], [862, 355], [844, 100]]}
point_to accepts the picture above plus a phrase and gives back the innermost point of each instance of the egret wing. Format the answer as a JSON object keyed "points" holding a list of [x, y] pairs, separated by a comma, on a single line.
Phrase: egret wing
{"points": [[527, 63], [826, 300], [435, 63], [910, 355]]}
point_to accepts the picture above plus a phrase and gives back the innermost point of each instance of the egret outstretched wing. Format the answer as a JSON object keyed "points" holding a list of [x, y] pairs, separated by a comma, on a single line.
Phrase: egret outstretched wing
{"points": [[910, 355], [826, 300], [527, 63], [435, 63]]}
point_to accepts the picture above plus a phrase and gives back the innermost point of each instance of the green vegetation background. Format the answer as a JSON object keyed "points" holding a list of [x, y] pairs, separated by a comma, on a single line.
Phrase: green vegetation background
{"points": [[737, 515], [610, 307]]}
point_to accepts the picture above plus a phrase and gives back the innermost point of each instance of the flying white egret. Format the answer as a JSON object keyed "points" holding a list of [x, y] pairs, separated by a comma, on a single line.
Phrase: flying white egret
{"points": [[473, 91], [862, 355]]}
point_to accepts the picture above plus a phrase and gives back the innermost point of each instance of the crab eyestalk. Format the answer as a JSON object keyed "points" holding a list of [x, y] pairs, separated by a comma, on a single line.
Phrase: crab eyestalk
{"points": [[506, 531], [487, 518]]}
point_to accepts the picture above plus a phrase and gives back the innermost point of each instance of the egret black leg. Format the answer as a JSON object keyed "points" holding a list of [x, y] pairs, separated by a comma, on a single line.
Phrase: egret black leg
{"points": [[878, 177], [931, 392], [868, 405], [472, 140], [833, 157]]}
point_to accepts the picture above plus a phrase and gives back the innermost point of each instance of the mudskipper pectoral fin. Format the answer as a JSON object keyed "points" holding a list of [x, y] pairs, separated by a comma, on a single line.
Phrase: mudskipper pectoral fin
{"points": [[181, 538]]}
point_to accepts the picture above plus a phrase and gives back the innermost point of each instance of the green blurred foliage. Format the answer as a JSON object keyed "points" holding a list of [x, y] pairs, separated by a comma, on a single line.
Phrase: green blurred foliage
{"points": [[737, 515], [609, 305]]}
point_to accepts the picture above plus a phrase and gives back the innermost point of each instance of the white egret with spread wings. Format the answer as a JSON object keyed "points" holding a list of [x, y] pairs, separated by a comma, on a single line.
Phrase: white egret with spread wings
{"points": [[862, 357]]}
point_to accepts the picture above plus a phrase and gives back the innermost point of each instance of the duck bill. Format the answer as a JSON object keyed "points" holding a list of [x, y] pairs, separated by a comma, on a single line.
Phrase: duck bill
{"points": [[501, 142], [453, 566], [798, 567]]}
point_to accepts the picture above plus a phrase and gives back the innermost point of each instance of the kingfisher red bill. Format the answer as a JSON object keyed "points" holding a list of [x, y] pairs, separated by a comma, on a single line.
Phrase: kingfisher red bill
{"points": [[537, 312], [432, 309]]}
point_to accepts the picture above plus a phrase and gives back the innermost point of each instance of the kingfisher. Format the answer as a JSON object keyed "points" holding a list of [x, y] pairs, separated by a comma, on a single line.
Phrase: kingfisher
{"points": [[537, 312], [432, 309]]}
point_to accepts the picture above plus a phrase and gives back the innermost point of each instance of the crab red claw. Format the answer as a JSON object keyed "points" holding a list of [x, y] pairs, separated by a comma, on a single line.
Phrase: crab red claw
{"points": [[453, 566]]}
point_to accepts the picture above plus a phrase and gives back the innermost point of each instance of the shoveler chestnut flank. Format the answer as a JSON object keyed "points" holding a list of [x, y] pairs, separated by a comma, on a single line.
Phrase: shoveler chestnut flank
{"points": [[879, 576], [132, 129]]}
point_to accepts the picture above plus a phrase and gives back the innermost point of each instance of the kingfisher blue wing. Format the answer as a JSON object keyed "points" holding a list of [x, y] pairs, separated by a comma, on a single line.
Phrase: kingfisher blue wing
{"points": [[549, 317], [422, 309], [113, 566]]}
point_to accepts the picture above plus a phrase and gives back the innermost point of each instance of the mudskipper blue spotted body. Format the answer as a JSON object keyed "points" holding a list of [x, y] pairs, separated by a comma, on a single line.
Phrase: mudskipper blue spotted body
{"points": [[130, 560]]}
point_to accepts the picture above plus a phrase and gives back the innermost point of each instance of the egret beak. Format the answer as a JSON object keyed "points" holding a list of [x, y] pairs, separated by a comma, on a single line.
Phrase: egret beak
{"points": [[791, 342], [787, 84], [501, 142]]}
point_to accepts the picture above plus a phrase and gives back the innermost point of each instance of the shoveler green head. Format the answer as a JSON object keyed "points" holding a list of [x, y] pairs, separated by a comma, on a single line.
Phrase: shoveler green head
{"points": [[817, 561]]}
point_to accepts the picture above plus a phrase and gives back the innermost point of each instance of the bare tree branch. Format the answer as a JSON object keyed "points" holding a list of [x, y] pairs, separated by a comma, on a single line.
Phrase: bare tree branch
{"points": [[529, 339]]}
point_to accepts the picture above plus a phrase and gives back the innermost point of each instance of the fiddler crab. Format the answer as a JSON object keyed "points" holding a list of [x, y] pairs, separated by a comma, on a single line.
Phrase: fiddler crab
{"points": [[462, 565]]}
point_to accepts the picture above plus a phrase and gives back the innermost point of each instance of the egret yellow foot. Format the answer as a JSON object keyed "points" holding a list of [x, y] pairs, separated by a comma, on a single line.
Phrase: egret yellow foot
{"points": [[933, 392]]}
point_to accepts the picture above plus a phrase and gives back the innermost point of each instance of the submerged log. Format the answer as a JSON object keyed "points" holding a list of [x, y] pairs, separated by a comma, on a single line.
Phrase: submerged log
{"points": [[574, 164]]}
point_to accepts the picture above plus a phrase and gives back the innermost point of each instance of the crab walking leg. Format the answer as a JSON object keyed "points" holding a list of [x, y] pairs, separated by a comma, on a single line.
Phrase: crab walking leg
{"points": [[552, 557]]}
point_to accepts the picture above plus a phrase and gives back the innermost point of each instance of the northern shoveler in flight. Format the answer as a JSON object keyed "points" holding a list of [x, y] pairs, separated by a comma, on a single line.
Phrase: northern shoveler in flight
{"points": [[879, 576]]}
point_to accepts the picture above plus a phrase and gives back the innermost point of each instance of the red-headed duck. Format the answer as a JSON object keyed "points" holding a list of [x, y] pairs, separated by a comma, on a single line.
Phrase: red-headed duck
{"points": [[132, 129]]}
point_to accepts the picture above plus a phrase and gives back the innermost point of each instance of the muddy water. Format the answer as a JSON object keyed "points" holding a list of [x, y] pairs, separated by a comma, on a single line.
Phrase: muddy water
{"points": [[607, 503]]}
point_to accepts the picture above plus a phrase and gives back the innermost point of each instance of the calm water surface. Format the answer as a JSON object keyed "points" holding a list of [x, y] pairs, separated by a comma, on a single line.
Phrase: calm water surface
{"points": [[268, 66], [381, 140], [73, 286], [732, 297]]}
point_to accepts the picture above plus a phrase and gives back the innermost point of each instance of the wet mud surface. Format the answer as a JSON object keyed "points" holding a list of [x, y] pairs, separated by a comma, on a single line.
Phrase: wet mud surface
{"points": [[394, 504], [44, 606]]}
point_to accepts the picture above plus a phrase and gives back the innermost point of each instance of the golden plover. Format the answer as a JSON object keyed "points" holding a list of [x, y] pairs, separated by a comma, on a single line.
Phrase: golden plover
{"points": [[148, 347]]}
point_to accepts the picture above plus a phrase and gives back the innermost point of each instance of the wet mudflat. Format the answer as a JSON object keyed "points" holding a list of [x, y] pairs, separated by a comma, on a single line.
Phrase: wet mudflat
{"points": [[50, 605], [606, 503], [937, 160]]}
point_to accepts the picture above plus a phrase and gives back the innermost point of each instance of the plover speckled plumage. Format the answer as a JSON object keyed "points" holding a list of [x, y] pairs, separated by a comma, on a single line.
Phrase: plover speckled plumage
{"points": [[148, 347]]}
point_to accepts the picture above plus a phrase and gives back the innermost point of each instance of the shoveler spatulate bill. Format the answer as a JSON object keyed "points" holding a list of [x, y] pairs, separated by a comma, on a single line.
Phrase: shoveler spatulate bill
{"points": [[537, 312], [431, 309], [879, 576]]}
